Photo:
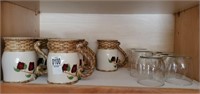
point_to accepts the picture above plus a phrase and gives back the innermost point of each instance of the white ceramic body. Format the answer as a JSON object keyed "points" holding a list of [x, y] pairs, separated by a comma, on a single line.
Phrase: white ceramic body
{"points": [[55, 73], [10, 61], [103, 57]]}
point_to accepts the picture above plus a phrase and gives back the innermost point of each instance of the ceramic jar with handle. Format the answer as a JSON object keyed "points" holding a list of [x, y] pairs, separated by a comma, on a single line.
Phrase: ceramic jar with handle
{"points": [[63, 61], [19, 59], [108, 55]]}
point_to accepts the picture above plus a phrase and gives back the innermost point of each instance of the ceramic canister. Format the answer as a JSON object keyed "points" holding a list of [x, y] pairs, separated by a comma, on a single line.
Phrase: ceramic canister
{"points": [[19, 59], [63, 61], [108, 55]]}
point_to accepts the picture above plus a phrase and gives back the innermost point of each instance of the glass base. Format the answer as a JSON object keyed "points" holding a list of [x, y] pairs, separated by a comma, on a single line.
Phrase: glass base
{"points": [[150, 82], [182, 82]]}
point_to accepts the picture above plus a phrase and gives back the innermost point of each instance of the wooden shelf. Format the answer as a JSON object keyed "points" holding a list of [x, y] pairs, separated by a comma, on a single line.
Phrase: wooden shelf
{"points": [[99, 82], [116, 6]]}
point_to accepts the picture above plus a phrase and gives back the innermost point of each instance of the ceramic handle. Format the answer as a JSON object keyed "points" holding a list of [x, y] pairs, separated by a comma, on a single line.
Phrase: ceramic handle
{"points": [[82, 72], [123, 62], [40, 68]]}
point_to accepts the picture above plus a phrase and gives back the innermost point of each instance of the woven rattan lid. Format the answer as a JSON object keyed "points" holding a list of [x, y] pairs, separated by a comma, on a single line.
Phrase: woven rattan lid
{"points": [[108, 44], [19, 43], [43, 42], [62, 45]]}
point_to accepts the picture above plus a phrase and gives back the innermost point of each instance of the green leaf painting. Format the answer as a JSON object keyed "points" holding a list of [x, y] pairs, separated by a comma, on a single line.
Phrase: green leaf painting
{"points": [[28, 76], [25, 66], [68, 68], [17, 70], [79, 77], [109, 61], [70, 77]]}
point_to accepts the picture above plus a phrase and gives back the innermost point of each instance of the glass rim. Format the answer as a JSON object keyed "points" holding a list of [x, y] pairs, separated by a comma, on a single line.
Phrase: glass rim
{"points": [[143, 51], [177, 56], [152, 57], [138, 49]]}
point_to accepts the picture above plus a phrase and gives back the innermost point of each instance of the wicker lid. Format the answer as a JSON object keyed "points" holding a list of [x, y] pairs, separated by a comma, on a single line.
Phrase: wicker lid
{"points": [[108, 44], [19, 43], [43, 42], [62, 45]]}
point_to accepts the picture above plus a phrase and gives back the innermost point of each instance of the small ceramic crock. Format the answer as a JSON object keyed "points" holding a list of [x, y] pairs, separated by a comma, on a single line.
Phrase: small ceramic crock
{"points": [[108, 55]]}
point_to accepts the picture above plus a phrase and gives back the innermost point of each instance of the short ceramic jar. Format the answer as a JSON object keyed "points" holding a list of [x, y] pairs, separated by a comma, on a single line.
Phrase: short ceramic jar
{"points": [[108, 55], [19, 59]]}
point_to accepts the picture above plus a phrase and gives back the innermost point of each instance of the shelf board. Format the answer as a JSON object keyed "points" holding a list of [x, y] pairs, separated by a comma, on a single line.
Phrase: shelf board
{"points": [[119, 81], [116, 6]]}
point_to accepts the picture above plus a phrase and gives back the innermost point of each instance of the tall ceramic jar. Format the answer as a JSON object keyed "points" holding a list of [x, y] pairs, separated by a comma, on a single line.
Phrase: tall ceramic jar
{"points": [[63, 61], [108, 55], [19, 59]]}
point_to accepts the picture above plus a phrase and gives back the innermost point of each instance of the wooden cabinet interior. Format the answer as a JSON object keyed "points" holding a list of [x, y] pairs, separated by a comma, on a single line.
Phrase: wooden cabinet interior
{"points": [[33, 5], [187, 38], [17, 88], [18, 21]]}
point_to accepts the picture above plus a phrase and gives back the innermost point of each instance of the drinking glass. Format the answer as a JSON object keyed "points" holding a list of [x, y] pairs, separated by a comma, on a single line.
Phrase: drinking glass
{"points": [[130, 53], [135, 56], [151, 71], [176, 70]]}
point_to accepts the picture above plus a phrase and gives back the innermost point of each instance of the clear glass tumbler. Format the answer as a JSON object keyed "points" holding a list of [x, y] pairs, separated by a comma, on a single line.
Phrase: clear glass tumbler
{"points": [[151, 71], [176, 70], [135, 56], [130, 53]]}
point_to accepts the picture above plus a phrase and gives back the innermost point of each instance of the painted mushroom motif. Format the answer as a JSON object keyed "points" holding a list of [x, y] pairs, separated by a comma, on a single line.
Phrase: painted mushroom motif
{"points": [[114, 61], [65, 67], [31, 66], [74, 69], [21, 65]]}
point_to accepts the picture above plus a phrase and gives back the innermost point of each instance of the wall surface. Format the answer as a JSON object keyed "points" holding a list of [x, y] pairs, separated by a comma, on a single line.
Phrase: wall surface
{"points": [[152, 31]]}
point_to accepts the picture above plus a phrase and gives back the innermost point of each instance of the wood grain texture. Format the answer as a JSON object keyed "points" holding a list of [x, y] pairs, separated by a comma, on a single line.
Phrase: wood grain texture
{"points": [[33, 5], [115, 6], [187, 38], [19, 21], [41, 88], [0, 44]]}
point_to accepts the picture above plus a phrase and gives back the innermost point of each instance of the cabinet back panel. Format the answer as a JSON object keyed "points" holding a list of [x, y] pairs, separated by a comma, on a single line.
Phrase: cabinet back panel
{"points": [[152, 31]]}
